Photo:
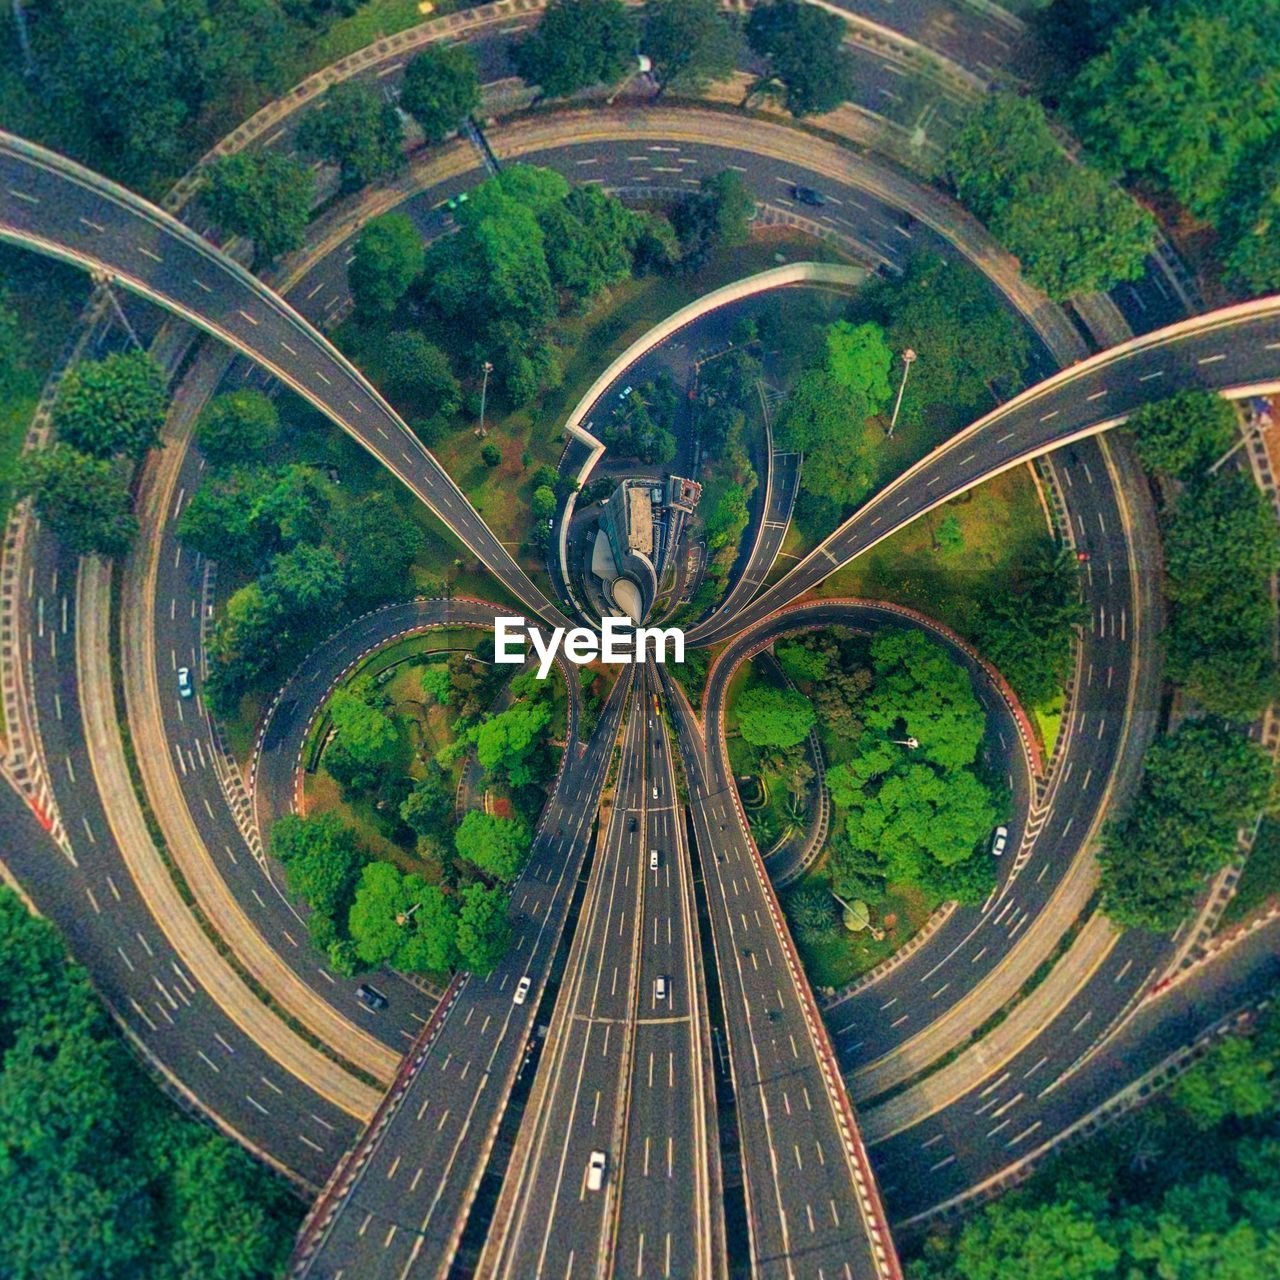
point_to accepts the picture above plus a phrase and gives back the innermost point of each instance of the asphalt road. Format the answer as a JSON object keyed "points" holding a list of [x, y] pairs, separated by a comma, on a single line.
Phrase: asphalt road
{"points": [[812, 1209], [408, 1194], [624, 1076]]}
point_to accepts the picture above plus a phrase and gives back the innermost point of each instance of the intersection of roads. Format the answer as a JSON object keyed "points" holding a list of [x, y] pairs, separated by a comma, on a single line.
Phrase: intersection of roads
{"points": [[747, 1126]]}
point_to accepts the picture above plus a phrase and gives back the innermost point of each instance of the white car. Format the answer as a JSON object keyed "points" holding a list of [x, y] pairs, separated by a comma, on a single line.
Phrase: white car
{"points": [[653, 859], [660, 988], [655, 793], [999, 840], [522, 990], [186, 689], [595, 1170]]}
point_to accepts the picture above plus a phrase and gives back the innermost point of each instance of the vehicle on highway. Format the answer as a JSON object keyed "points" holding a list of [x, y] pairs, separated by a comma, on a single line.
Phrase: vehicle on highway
{"points": [[653, 859], [631, 824], [186, 689], [999, 840], [807, 195], [625, 392], [655, 793], [457, 200], [371, 997], [595, 1170], [660, 987], [522, 990]]}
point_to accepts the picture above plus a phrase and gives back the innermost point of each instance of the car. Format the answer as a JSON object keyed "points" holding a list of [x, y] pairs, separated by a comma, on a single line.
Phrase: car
{"points": [[807, 195], [522, 990], [595, 1170], [371, 997], [653, 859], [186, 689], [631, 824], [655, 793], [457, 200], [999, 840], [660, 987], [625, 392], [1082, 556]]}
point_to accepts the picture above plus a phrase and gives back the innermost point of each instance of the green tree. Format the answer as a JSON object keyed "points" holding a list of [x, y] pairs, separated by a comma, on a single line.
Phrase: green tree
{"points": [[382, 898], [544, 504], [966, 340], [387, 258], [356, 130], [322, 861], [769, 717], [436, 684], [264, 196], [858, 358], [822, 418], [505, 743], [812, 910], [1025, 629], [484, 931], [719, 215], [801, 662], [419, 371], [1162, 100], [378, 544], [228, 518], [237, 427], [1250, 243], [804, 48], [578, 43], [83, 499], [1233, 1079], [1071, 229], [243, 645], [429, 806], [491, 455], [112, 406], [690, 43], [499, 847], [1183, 433], [590, 237], [307, 581], [441, 88], [362, 731]]}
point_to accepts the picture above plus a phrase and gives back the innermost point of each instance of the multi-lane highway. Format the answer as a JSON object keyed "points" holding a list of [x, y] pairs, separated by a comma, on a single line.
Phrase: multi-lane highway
{"points": [[627, 1077]]}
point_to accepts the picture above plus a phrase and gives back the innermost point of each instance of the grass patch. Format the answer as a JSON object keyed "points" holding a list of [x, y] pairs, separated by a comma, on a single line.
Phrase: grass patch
{"points": [[837, 958], [1260, 880], [372, 21]]}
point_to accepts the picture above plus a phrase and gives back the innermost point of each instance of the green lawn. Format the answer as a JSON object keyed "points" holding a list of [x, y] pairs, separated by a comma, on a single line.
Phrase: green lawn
{"points": [[841, 956]]}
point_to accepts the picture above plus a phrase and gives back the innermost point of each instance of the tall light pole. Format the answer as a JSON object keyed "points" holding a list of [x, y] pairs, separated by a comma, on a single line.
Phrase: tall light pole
{"points": [[484, 389], [104, 280], [908, 358]]}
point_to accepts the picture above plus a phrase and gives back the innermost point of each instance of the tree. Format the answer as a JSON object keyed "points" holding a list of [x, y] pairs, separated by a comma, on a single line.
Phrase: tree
{"points": [[812, 910], [1200, 785], [719, 215], [1162, 100], [237, 427], [858, 358], [228, 518], [355, 129], [1072, 230], [1248, 225], [1025, 629], [244, 644], [363, 732], [803, 46], [263, 195], [419, 371], [590, 237], [484, 931], [388, 257], [801, 662], [506, 742], [821, 418], [919, 692], [544, 504], [383, 895], [491, 455], [499, 847], [1183, 433], [1233, 1079], [307, 581], [114, 406], [378, 543], [966, 340], [84, 500], [689, 42], [322, 861], [441, 88], [429, 806], [578, 43], [436, 684], [769, 717]]}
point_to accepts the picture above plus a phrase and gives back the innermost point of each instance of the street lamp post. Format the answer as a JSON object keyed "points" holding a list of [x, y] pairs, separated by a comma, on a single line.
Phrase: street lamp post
{"points": [[908, 358], [403, 917], [910, 743], [484, 390]]}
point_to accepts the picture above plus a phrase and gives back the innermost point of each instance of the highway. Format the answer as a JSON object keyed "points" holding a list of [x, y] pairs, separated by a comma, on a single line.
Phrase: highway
{"points": [[813, 1208], [407, 1191], [625, 1074], [58, 207]]}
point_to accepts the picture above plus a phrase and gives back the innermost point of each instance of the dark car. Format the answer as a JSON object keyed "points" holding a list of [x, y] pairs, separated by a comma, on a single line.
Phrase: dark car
{"points": [[631, 824], [807, 195], [371, 997]]}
